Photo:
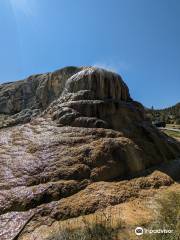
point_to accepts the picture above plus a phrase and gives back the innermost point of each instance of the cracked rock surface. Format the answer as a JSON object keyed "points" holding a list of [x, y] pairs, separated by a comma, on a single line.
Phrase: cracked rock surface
{"points": [[69, 140]]}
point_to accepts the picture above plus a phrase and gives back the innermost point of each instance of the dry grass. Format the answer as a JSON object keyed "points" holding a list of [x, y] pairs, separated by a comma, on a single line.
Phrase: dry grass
{"points": [[100, 226], [167, 208], [174, 134]]}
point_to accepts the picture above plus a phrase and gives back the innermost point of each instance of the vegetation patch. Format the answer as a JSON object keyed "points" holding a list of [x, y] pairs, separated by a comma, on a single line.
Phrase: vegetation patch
{"points": [[103, 230], [174, 134], [167, 209]]}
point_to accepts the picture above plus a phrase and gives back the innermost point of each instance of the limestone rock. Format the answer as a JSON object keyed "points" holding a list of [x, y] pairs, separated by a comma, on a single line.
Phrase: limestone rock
{"points": [[61, 135], [35, 92], [104, 84]]}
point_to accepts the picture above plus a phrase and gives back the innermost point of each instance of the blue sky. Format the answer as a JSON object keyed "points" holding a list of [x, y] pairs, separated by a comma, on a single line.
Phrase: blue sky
{"points": [[140, 39]]}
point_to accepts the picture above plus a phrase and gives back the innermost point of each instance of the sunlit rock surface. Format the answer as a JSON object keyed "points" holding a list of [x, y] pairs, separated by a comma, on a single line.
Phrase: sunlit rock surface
{"points": [[62, 134]]}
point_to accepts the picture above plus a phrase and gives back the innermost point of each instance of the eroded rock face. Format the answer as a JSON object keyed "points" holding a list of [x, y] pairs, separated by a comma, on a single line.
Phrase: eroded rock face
{"points": [[21, 101], [34, 93], [66, 131]]}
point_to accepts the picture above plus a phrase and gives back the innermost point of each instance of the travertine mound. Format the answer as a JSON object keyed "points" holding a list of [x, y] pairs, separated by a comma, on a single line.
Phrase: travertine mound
{"points": [[104, 84], [63, 132], [35, 92]]}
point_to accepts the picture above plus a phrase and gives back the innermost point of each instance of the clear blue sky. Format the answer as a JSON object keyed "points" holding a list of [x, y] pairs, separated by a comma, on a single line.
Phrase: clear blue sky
{"points": [[140, 39]]}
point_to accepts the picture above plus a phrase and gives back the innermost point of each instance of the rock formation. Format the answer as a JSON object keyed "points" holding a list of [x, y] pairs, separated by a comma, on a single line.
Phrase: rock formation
{"points": [[63, 132]]}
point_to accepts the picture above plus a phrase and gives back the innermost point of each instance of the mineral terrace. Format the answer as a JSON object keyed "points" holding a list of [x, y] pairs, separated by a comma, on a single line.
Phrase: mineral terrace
{"points": [[72, 142]]}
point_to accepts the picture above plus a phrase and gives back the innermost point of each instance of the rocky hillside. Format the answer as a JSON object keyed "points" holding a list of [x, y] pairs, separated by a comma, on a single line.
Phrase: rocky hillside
{"points": [[67, 140], [169, 115]]}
